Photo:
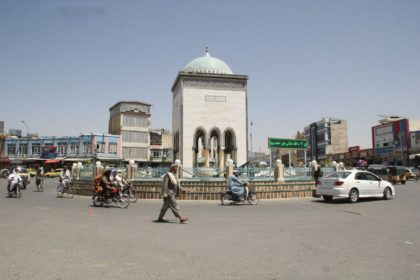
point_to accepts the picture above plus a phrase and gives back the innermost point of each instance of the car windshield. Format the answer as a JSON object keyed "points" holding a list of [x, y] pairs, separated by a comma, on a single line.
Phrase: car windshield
{"points": [[341, 175]]}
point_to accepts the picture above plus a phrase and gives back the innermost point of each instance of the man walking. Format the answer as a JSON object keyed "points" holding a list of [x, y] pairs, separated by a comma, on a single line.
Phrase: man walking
{"points": [[170, 188]]}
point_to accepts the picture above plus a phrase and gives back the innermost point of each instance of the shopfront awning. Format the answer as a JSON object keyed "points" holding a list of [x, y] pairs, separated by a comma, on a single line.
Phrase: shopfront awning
{"points": [[5, 159], [50, 161], [78, 159]]}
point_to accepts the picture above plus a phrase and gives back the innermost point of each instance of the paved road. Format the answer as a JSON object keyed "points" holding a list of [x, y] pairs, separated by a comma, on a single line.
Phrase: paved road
{"points": [[43, 237]]}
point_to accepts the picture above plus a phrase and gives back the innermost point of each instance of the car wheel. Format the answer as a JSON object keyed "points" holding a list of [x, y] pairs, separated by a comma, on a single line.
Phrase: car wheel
{"points": [[353, 195], [387, 193], [327, 198]]}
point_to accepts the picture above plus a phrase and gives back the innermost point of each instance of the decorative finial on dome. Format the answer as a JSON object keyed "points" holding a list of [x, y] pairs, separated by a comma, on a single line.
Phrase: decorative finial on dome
{"points": [[207, 52]]}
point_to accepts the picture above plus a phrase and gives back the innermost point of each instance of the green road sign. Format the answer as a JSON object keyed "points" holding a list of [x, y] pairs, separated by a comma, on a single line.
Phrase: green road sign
{"points": [[287, 143]]}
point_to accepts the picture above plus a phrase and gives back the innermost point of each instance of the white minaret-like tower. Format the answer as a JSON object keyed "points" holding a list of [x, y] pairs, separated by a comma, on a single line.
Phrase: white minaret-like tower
{"points": [[209, 114]]}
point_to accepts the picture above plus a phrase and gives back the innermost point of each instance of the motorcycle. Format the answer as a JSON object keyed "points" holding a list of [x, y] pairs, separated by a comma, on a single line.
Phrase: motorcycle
{"points": [[117, 199], [250, 197], [4, 173], [16, 191]]}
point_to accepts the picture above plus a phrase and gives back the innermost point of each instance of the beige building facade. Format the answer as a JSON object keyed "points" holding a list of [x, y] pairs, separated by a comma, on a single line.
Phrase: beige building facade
{"points": [[326, 136], [131, 120]]}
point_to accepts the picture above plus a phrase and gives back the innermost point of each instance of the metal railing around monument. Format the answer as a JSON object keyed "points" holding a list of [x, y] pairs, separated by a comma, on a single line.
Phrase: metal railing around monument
{"points": [[216, 174]]}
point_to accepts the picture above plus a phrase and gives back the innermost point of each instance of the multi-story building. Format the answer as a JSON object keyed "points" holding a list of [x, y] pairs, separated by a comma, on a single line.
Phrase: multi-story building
{"points": [[327, 136], [131, 120], [414, 148], [160, 147], [392, 139], [89, 146]]}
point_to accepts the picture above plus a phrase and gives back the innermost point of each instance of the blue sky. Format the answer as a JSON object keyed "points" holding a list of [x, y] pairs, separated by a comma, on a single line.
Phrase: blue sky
{"points": [[63, 64]]}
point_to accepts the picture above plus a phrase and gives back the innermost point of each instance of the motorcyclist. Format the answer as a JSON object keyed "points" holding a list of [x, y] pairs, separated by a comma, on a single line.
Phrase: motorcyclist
{"points": [[108, 187], [236, 186], [14, 179]]}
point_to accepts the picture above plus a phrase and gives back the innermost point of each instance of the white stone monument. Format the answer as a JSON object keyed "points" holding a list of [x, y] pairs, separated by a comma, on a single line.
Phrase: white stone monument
{"points": [[209, 114]]}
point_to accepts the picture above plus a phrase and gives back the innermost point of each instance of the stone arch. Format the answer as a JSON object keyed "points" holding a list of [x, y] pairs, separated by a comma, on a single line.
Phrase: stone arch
{"points": [[215, 145], [200, 136], [229, 137], [176, 145]]}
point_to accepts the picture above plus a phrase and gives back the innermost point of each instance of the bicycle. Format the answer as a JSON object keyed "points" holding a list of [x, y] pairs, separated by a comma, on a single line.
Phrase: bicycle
{"points": [[129, 190], [67, 191], [16, 192]]}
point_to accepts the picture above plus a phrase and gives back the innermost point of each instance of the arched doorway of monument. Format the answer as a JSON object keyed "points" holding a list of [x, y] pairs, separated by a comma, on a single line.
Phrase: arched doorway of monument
{"points": [[214, 148], [200, 151], [230, 145], [216, 154]]}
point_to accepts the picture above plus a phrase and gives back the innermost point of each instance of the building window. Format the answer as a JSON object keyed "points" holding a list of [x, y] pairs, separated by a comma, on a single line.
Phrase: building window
{"points": [[135, 136], [100, 147], [135, 121], [156, 153], [86, 148], [23, 149], [112, 148], [135, 153], [74, 148], [36, 149], [155, 139], [62, 148], [11, 149]]}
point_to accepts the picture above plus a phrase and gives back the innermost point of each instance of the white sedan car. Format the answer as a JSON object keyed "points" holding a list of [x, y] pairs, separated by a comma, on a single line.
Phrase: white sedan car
{"points": [[353, 184]]}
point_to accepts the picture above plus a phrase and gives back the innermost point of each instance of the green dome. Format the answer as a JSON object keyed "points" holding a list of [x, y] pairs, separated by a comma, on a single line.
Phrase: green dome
{"points": [[208, 65]]}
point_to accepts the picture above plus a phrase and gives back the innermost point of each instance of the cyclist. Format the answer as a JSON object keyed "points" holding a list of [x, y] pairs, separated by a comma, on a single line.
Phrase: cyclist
{"points": [[119, 181], [65, 180]]}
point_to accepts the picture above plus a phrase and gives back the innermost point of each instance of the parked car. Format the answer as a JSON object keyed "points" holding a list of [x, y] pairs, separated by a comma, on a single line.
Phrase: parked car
{"points": [[31, 172], [53, 173], [353, 184], [411, 173]]}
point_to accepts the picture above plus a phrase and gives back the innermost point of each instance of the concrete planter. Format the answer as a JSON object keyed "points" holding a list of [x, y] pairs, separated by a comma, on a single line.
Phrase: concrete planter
{"points": [[212, 190]]}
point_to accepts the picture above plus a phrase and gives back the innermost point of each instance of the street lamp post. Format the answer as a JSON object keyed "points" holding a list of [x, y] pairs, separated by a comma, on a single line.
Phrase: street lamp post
{"points": [[27, 137], [27, 128]]}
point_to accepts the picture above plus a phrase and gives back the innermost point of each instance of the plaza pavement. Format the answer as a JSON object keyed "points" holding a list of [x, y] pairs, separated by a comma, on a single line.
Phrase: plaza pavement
{"points": [[43, 237]]}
